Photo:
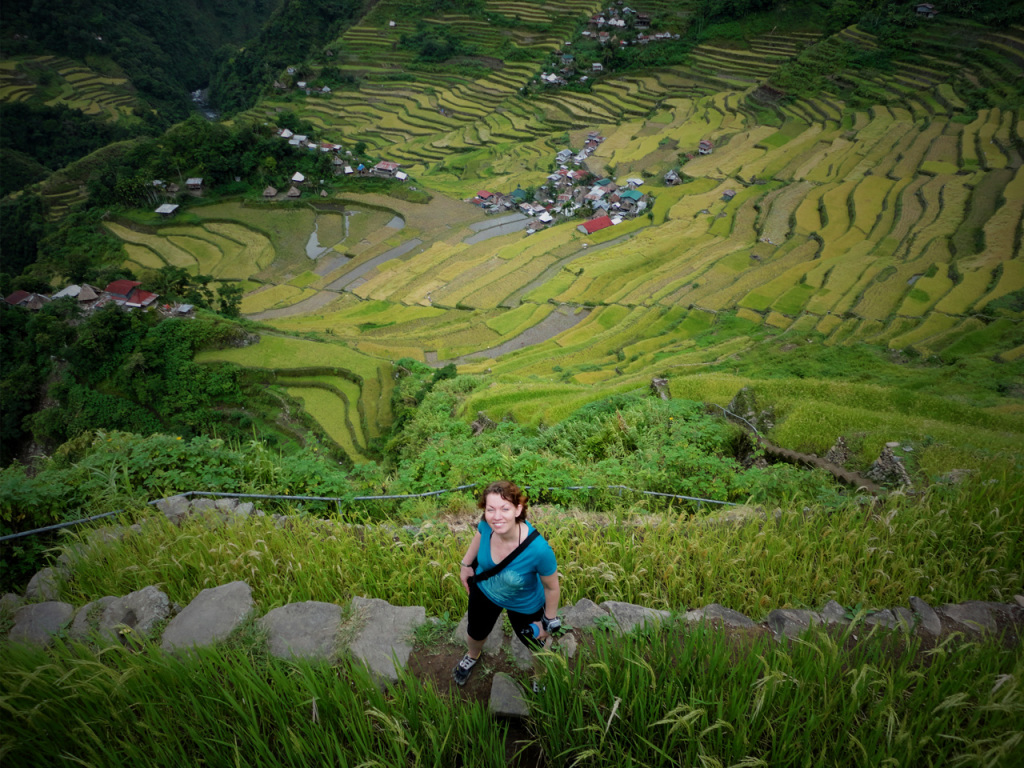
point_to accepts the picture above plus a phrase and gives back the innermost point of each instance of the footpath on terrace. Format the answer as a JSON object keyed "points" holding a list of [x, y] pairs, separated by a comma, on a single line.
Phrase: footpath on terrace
{"points": [[381, 635]]}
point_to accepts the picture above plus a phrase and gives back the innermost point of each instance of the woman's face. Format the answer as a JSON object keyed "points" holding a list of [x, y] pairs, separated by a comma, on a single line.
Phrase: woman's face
{"points": [[500, 513]]}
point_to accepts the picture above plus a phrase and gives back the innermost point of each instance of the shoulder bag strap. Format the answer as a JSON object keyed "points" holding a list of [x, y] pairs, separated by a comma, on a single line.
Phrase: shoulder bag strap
{"points": [[496, 569]]}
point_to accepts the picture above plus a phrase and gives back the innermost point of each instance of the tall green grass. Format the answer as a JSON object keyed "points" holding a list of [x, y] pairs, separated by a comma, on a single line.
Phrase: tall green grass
{"points": [[226, 707], [876, 557], [697, 698]]}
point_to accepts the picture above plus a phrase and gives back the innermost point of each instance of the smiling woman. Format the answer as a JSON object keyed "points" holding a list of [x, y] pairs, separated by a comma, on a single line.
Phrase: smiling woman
{"points": [[508, 566]]}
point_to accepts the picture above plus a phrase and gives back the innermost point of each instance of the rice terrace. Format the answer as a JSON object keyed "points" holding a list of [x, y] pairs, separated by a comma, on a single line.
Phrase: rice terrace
{"points": [[735, 289]]}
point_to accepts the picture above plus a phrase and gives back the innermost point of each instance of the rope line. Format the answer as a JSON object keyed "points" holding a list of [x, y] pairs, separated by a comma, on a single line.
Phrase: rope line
{"points": [[386, 497]]}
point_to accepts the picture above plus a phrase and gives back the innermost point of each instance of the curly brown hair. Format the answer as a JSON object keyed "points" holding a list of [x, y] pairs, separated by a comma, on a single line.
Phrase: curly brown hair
{"points": [[509, 491]]}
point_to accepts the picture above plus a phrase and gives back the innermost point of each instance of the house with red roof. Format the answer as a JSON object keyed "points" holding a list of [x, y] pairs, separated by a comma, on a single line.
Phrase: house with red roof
{"points": [[128, 294], [594, 225]]}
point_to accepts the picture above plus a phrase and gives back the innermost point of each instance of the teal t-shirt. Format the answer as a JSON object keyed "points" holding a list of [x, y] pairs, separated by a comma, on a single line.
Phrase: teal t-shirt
{"points": [[518, 587]]}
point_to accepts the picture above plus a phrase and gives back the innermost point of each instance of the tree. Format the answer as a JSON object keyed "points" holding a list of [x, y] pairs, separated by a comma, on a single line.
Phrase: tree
{"points": [[230, 296]]}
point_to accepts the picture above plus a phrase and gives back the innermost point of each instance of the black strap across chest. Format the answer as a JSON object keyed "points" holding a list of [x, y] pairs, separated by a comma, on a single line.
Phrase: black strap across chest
{"points": [[494, 570]]}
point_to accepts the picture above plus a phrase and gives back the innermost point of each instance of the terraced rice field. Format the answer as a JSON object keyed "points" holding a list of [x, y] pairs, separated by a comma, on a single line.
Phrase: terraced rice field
{"points": [[895, 223]]}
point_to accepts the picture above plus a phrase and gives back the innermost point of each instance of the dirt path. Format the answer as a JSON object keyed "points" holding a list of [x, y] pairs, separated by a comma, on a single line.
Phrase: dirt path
{"points": [[303, 307], [562, 319]]}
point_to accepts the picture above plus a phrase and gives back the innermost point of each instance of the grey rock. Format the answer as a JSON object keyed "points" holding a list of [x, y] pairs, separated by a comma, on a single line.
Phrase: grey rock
{"points": [[888, 469], [568, 646], [839, 453], [660, 388], [482, 423], [213, 615], [885, 618], [904, 618], [139, 611], [791, 622], [201, 505], [175, 508], [507, 698], [1019, 599], [245, 509], [37, 624], [834, 614], [303, 630], [716, 612], [87, 617], [629, 616], [973, 614], [584, 614], [384, 641], [522, 656], [928, 618], [9, 603], [104, 535], [44, 585], [226, 504], [135, 528], [494, 642]]}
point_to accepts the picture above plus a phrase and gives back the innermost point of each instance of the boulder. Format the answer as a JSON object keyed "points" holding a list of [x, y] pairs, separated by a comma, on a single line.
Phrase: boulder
{"points": [[9, 603], [139, 612], [175, 508], [716, 612], [885, 618], [888, 469], [584, 614], [838, 454], [1019, 599], [567, 645], [226, 504], [303, 630], [974, 614], [507, 698], [790, 622], [928, 618], [36, 624], [213, 615], [834, 614], [87, 617], [904, 618], [44, 585], [629, 616], [659, 388], [384, 640]]}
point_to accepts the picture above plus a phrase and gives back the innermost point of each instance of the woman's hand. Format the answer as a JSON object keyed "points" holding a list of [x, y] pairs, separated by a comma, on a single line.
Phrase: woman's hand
{"points": [[465, 572], [542, 634]]}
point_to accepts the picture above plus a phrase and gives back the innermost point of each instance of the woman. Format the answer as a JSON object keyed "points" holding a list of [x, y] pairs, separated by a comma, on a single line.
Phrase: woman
{"points": [[508, 566]]}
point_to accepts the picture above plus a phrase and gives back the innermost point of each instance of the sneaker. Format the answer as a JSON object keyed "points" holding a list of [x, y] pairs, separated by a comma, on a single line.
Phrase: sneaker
{"points": [[538, 687], [463, 668]]}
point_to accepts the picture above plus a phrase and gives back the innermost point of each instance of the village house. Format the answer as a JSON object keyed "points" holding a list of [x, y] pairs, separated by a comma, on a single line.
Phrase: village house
{"points": [[270, 192], [195, 184], [595, 225], [728, 195], [298, 178], [672, 178], [705, 147], [294, 192], [167, 210], [386, 168], [126, 293], [85, 294], [927, 10]]}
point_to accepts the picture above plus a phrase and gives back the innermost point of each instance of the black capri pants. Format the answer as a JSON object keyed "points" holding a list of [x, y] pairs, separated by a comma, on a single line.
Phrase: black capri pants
{"points": [[483, 613]]}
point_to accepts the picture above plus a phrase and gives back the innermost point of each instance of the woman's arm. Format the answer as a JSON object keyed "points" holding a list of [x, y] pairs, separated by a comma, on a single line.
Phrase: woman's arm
{"points": [[552, 595], [466, 570]]}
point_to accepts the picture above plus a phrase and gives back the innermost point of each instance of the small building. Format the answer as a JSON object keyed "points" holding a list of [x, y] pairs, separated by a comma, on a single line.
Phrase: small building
{"points": [[634, 183], [518, 195], [401, 176], [128, 294], [728, 195], [294, 192], [195, 183], [563, 156], [705, 147], [595, 225], [597, 67], [298, 178], [927, 10], [672, 178], [348, 171], [286, 134], [270, 192], [18, 298], [167, 210], [386, 168]]}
